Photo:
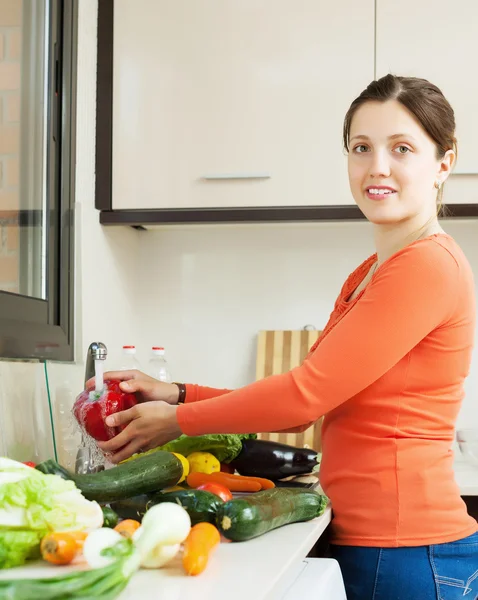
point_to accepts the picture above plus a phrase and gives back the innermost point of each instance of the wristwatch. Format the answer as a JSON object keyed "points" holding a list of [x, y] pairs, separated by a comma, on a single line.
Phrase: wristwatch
{"points": [[182, 392]]}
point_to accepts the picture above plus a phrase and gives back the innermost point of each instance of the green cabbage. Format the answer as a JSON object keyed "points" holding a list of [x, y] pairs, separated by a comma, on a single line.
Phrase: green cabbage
{"points": [[33, 504], [224, 446]]}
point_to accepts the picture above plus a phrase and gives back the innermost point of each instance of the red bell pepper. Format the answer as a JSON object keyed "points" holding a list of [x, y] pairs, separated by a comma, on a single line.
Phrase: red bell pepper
{"points": [[91, 409]]}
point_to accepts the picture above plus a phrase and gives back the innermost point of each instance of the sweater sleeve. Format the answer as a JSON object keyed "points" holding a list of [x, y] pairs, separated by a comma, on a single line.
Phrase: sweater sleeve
{"points": [[195, 393], [410, 294]]}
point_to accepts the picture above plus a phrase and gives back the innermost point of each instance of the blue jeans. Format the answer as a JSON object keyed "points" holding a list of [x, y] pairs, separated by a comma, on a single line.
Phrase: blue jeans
{"points": [[438, 572]]}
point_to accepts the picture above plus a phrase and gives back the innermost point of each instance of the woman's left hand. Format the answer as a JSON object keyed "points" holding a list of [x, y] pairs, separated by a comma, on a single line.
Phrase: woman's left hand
{"points": [[146, 425]]}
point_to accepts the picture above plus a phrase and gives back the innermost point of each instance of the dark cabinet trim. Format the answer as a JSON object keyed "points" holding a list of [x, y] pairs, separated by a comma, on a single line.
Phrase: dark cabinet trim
{"points": [[104, 106], [169, 216], [140, 217], [272, 214]]}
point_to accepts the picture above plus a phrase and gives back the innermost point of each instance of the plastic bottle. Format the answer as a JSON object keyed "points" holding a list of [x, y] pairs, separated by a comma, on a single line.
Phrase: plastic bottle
{"points": [[158, 366], [129, 360]]}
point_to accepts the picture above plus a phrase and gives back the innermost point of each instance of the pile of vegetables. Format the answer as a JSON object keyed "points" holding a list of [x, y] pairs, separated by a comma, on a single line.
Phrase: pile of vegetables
{"points": [[32, 505], [172, 501], [114, 558]]}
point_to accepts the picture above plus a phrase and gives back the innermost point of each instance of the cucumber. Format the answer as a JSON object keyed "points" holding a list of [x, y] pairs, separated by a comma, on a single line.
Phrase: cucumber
{"points": [[145, 474], [248, 517], [201, 506]]}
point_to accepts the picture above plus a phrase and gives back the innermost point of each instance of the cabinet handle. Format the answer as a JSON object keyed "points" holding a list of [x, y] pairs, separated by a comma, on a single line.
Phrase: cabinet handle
{"points": [[237, 176]]}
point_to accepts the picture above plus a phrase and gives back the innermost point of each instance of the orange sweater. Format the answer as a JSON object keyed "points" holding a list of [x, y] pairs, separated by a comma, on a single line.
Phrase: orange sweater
{"points": [[388, 373]]}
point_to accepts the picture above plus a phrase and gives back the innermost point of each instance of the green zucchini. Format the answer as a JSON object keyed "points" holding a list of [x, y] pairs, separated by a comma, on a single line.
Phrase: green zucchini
{"points": [[132, 508], [201, 506], [250, 516], [145, 474], [110, 518]]}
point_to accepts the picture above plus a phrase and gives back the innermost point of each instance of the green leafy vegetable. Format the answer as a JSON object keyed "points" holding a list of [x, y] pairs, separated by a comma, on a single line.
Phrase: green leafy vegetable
{"points": [[119, 550], [224, 446], [33, 504], [104, 583], [16, 546]]}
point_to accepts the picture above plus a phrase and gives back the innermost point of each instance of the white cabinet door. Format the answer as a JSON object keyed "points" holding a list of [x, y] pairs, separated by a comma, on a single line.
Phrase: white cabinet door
{"points": [[436, 40], [249, 92]]}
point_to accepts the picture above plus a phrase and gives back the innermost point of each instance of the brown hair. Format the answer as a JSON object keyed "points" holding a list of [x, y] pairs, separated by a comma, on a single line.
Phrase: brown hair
{"points": [[423, 100]]}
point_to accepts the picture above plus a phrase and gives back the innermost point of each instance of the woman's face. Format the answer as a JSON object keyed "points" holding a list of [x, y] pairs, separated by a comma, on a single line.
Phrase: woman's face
{"points": [[392, 164]]}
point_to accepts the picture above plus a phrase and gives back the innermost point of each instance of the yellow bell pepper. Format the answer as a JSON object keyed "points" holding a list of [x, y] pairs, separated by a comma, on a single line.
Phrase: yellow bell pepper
{"points": [[185, 464], [203, 462]]}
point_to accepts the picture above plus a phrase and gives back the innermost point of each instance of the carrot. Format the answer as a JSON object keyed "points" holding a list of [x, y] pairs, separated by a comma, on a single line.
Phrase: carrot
{"points": [[79, 537], [127, 527], [199, 544], [266, 484], [236, 483], [234, 480], [194, 480], [58, 548]]}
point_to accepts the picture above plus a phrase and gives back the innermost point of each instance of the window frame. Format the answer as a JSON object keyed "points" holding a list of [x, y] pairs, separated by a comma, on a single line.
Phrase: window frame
{"points": [[31, 328]]}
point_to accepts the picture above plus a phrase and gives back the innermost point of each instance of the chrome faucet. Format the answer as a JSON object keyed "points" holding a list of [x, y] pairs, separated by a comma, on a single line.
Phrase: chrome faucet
{"points": [[84, 461], [96, 351]]}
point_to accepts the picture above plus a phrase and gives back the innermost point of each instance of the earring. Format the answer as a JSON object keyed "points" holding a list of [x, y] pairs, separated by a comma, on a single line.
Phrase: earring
{"points": [[437, 185]]}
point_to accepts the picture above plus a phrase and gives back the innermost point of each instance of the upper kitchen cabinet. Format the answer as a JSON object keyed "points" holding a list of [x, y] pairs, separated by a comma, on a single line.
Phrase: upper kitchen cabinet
{"points": [[228, 103], [438, 41]]}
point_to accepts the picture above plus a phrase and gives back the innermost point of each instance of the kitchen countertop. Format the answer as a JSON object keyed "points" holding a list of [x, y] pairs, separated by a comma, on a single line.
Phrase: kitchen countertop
{"points": [[466, 476], [271, 562]]}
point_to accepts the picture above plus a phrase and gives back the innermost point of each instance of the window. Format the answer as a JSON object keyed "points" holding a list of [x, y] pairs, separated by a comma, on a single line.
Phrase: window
{"points": [[37, 75]]}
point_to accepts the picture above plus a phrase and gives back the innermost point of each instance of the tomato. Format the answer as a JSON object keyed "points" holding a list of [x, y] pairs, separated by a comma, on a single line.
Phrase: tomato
{"points": [[218, 489], [30, 464]]}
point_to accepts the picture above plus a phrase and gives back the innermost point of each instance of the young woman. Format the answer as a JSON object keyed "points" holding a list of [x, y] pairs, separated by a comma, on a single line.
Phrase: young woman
{"points": [[387, 372]]}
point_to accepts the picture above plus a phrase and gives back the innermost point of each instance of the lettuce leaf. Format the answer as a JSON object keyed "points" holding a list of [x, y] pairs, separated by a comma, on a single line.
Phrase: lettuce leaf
{"points": [[33, 504], [16, 546], [224, 446]]}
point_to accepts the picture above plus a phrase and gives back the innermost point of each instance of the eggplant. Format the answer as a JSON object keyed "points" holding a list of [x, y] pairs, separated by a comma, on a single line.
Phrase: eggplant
{"points": [[272, 460]]}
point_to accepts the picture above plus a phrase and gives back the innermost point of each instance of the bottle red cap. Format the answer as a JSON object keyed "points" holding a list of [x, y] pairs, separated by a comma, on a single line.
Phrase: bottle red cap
{"points": [[129, 346], [157, 348]]}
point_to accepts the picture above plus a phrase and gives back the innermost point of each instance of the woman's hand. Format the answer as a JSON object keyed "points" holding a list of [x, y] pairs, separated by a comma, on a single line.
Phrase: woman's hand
{"points": [[146, 425], [146, 388]]}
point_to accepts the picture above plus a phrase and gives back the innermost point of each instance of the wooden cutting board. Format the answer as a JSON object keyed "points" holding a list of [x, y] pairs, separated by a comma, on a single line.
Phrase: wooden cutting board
{"points": [[278, 351]]}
